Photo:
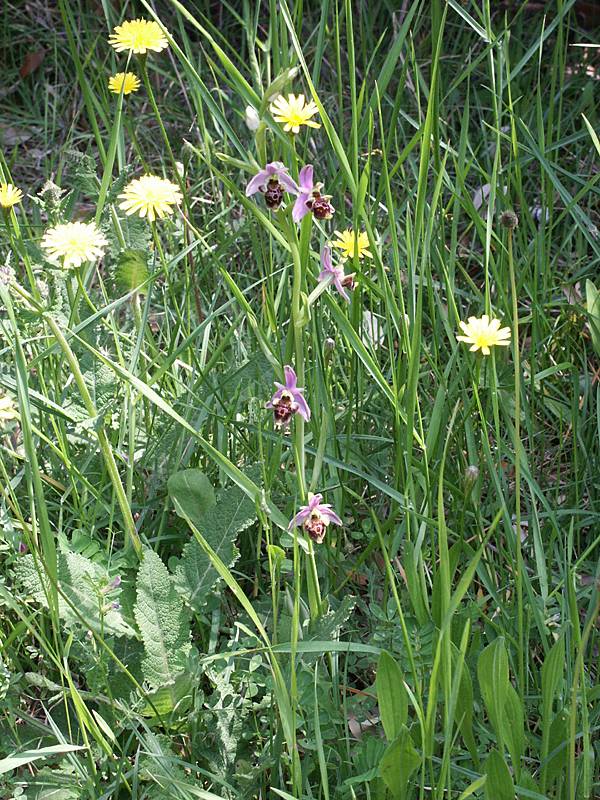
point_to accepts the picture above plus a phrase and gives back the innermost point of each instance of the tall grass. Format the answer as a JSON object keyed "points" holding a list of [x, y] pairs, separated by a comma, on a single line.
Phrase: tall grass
{"points": [[157, 611]]}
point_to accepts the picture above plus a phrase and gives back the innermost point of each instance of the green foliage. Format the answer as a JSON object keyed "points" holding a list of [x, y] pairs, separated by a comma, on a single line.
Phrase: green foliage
{"points": [[398, 763], [132, 270], [220, 524], [82, 601], [162, 621], [155, 608], [391, 696]]}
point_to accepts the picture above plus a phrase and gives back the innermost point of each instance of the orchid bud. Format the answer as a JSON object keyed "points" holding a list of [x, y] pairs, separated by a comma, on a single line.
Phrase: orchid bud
{"points": [[252, 119]]}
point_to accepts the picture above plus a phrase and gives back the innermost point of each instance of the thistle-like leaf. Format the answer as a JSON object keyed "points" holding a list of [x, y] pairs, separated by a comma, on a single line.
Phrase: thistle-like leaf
{"points": [[220, 523], [162, 621]]}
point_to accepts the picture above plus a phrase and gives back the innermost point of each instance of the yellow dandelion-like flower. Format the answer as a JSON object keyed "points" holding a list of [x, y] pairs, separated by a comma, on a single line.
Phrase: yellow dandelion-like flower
{"points": [[10, 195], [484, 333], [73, 243], [349, 243], [150, 196], [8, 411], [138, 36], [127, 82], [294, 112]]}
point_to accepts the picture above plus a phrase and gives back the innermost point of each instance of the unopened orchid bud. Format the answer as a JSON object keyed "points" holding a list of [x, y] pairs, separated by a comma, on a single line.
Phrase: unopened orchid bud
{"points": [[252, 119]]}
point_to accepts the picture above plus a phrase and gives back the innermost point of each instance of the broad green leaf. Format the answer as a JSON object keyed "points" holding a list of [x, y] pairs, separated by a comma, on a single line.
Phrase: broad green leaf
{"points": [[175, 697], [193, 492], [552, 674], [492, 673], [558, 748], [162, 621], [473, 787], [391, 696], [464, 712], [195, 574], [132, 270], [398, 763], [499, 784], [513, 727]]}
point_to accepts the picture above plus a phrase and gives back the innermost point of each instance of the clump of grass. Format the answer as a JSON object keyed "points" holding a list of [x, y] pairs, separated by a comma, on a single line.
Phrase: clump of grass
{"points": [[299, 402]]}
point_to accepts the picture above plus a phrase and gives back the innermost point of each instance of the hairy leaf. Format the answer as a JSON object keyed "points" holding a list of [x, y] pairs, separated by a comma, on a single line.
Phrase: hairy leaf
{"points": [[81, 601], [162, 622], [219, 524]]}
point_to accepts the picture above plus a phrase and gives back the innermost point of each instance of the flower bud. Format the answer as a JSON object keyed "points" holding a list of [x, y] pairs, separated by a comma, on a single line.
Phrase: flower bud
{"points": [[471, 475], [508, 219], [252, 119]]}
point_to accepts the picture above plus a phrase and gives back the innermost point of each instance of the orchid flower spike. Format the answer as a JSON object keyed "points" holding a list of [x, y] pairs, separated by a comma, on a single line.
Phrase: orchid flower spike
{"points": [[272, 181], [288, 400], [315, 518], [310, 197], [335, 275]]}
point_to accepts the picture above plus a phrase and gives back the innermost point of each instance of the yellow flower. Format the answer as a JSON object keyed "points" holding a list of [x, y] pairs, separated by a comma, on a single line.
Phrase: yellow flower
{"points": [[7, 409], [484, 333], [74, 243], [138, 36], [9, 195], [150, 196], [126, 81], [294, 112], [348, 243]]}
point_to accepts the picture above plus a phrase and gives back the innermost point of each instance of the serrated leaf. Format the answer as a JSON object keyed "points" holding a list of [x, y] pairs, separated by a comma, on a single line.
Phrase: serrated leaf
{"points": [[391, 696], [162, 621], [233, 511]]}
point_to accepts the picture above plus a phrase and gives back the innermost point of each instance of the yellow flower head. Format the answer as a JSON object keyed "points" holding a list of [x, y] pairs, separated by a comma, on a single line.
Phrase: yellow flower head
{"points": [[150, 196], [74, 243], [138, 36], [484, 333], [7, 409], [9, 195], [294, 112], [348, 243], [127, 82]]}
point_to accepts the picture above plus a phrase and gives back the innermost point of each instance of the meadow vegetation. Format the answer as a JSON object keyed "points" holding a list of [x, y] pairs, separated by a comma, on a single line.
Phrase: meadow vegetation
{"points": [[299, 400]]}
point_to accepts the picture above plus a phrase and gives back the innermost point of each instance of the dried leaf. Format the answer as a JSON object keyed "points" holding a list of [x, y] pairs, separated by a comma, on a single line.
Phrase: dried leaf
{"points": [[31, 62]]}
